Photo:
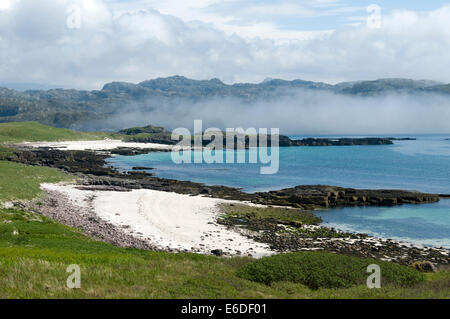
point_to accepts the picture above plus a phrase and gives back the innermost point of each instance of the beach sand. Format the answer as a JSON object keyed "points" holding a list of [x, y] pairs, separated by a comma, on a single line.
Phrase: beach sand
{"points": [[97, 145], [168, 221]]}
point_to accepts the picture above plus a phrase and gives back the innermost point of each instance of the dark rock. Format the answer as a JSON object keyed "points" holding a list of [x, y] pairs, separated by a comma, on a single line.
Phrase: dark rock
{"points": [[402, 138], [424, 266], [217, 252], [142, 168]]}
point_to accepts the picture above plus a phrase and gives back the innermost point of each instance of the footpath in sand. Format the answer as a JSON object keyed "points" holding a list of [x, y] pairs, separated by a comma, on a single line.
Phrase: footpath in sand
{"points": [[168, 221]]}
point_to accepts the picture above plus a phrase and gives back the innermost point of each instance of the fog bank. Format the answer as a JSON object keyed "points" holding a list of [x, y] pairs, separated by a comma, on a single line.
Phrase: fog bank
{"points": [[300, 112]]}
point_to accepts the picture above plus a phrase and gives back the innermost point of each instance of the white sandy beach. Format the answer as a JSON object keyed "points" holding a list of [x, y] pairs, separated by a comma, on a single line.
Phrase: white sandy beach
{"points": [[96, 145], [167, 220]]}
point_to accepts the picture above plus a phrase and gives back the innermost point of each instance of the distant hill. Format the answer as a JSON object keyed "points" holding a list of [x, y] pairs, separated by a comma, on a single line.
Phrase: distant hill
{"points": [[29, 86], [386, 85], [75, 108], [439, 89]]}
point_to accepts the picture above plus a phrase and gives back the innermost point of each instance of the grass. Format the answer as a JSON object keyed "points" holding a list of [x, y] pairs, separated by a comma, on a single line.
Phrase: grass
{"points": [[21, 182], [35, 253], [276, 213], [16, 132], [6, 153]]}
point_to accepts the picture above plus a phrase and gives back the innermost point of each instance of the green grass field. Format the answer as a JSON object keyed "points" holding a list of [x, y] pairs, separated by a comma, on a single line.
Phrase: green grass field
{"points": [[36, 251], [21, 182], [16, 132]]}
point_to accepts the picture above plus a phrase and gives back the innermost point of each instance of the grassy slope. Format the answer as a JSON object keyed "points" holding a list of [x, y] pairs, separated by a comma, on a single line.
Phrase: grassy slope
{"points": [[35, 252], [21, 182], [33, 132]]}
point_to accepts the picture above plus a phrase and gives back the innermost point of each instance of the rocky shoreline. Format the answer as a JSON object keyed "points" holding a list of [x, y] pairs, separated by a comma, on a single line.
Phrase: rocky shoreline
{"points": [[283, 237], [93, 169], [279, 236], [94, 174]]}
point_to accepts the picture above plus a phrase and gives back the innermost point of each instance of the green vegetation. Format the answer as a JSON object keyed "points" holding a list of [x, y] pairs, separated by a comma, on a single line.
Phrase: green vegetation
{"points": [[36, 251], [34, 132], [6, 153], [21, 182], [325, 270], [161, 138], [274, 213], [147, 134], [142, 130]]}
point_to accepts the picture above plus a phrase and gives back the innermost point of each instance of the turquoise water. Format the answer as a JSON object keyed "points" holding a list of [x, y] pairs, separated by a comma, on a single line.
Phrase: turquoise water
{"points": [[427, 224], [422, 165]]}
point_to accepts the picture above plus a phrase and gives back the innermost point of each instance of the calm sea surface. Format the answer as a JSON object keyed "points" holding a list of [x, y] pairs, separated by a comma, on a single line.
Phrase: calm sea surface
{"points": [[422, 165]]}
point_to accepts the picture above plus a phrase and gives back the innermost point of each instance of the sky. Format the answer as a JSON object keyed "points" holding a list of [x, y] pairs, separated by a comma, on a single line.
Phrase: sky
{"points": [[86, 43]]}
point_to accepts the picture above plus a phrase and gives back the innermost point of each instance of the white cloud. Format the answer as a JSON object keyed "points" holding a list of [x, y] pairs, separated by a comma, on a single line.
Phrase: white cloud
{"points": [[5, 4], [37, 46]]}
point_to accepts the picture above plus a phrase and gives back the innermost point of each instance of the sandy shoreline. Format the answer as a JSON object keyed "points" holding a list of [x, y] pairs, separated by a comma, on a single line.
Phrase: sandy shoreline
{"points": [[166, 221], [141, 217], [171, 222], [96, 145], [156, 219]]}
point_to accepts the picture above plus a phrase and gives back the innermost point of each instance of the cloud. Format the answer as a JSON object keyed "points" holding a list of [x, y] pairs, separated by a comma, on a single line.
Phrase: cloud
{"points": [[302, 111], [36, 45]]}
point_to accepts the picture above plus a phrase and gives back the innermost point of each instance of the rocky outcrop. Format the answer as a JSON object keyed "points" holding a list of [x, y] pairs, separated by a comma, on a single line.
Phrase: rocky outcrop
{"points": [[320, 196], [402, 138], [152, 134], [286, 141]]}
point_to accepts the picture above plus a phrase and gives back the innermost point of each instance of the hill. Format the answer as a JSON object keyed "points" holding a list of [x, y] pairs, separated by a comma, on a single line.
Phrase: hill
{"points": [[87, 110]]}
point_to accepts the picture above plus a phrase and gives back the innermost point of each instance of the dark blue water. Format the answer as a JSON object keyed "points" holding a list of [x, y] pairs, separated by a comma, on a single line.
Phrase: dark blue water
{"points": [[422, 165]]}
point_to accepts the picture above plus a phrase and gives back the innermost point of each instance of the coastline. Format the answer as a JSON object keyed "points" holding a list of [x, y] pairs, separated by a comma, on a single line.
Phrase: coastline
{"points": [[156, 220], [116, 202], [177, 223]]}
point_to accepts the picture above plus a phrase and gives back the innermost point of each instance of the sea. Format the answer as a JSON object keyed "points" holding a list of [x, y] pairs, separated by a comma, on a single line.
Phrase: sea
{"points": [[422, 165]]}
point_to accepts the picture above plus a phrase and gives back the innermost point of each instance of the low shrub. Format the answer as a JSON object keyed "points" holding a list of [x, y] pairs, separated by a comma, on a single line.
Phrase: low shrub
{"points": [[325, 270]]}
